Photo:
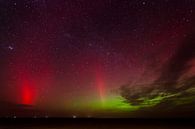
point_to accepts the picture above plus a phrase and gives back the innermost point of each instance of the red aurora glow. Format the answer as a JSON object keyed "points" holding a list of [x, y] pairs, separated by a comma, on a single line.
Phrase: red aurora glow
{"points": [[28, 94]]}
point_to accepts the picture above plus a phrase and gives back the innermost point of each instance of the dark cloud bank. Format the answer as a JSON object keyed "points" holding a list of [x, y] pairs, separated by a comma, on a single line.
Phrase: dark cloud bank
{"points": [[175, 93]]}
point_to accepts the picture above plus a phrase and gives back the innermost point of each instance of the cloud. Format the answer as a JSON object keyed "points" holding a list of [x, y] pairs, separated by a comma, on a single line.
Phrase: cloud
{"points": [[178, 64], [167, 90]]}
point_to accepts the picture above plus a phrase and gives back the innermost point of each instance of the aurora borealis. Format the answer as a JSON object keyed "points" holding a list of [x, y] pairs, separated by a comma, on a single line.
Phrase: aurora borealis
{"points": [[88, 57]]}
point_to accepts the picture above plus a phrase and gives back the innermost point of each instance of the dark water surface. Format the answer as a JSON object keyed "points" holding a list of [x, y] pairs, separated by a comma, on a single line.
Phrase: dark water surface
{"points": [[19, 123]]}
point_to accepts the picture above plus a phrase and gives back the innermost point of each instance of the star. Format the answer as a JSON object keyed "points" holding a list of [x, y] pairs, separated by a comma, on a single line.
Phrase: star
{"points": [[143, 2], [10, 47]]}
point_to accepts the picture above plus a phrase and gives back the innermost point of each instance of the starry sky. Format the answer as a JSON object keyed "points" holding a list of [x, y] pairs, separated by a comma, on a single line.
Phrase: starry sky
{"points": [[94, 56]]}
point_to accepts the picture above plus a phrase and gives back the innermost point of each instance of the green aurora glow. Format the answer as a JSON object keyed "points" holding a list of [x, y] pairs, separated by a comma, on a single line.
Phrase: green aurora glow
{"points": [[119, 104]]}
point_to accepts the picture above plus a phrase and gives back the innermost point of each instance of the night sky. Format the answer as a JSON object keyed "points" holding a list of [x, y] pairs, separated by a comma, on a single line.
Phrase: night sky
{"points": [[94, 56]]}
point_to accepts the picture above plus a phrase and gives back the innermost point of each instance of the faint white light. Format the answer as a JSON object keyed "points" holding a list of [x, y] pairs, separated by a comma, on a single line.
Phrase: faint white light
{"points": [[74, 116], [10, 47]]}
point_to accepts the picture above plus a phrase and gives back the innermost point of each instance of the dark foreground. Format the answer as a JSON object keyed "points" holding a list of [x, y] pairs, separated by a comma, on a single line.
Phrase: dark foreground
{"points": [[90, 123]]}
